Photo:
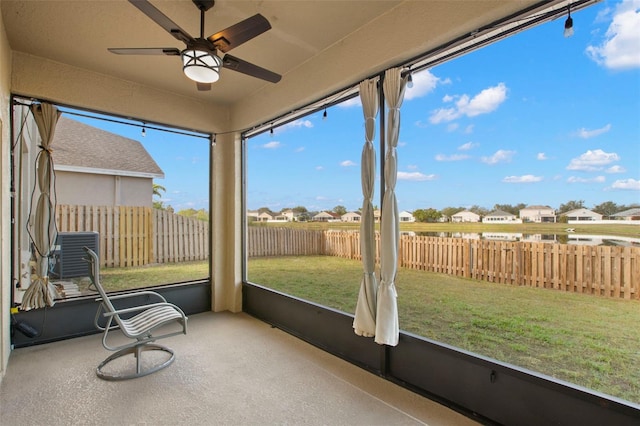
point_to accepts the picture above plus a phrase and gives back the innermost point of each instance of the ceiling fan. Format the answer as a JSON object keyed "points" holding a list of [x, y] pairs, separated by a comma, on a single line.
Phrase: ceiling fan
{"points": [[200, 58]]}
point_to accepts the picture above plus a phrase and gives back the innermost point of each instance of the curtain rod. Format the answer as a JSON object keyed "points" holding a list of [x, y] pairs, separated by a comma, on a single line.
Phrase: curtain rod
{"points": [[65, 110]]}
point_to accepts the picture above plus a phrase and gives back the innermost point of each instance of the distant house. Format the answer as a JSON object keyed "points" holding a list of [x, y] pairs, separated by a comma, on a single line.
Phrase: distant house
{"points": [[290, 215], [252, 215], [631, 214], [465, 216], [582, 215], [266, 217], [499, 216], [96, 167], [326, 217], [405, 216], [376, 215], [538, 214], [351, 217]]}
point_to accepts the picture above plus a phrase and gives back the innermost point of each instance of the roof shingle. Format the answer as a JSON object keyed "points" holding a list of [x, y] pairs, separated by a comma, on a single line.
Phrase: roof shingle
{"points": [[80, 145]]}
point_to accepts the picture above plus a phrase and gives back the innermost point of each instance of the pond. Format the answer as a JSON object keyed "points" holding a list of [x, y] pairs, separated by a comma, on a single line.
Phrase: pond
{"points": [[578, 239]]}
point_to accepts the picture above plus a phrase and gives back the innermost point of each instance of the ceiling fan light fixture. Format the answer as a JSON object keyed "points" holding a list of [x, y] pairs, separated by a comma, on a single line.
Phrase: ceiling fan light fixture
{"points": [[201, 66]]}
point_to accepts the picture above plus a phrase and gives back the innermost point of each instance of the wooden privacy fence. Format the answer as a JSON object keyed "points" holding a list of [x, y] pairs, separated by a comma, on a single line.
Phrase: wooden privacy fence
{"points": [[136, 236], [266, 241], [599, 270]]}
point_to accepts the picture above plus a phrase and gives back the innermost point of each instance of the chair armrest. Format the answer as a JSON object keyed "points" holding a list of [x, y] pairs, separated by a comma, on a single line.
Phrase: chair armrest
{"points": [[141, 308], [139, 293]]}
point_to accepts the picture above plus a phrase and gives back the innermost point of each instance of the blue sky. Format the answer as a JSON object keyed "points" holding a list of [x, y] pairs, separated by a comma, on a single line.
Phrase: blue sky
{"points": [[536, 118], [183, 159]]}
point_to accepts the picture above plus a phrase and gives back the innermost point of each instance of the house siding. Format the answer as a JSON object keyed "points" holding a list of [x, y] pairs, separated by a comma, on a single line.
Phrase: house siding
{"points": [[538, 214], [103, 190], [465, 216]]}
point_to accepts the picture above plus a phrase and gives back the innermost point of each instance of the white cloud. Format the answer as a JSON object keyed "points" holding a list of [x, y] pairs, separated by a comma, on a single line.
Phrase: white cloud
{"points": [[444, 114], [469, 129], [587, 134], [542, 156], [488, 100], [299, 149], [500, 156], [272, 145], [412, 167], [522, 179], [467, 146], [415, 176], [484, 102], [620, 48], [631, 184], [347, 163], [616, 169], [299, 123], [593, 160], [575, 179], [452, 157], [319, 168], [423, 83], [452, 127]]}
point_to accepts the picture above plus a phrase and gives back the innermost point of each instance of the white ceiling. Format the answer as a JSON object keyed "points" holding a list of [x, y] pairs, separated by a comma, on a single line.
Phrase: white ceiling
{"points": [[317, 46], [79, 32]]}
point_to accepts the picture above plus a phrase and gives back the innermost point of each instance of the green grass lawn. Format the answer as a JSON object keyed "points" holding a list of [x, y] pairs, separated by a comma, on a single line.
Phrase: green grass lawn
{"points": [[587, 340], [115, 279]]}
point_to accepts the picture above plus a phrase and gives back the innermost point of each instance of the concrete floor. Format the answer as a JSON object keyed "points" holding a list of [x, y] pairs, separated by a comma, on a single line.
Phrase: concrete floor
{"points": [[230, 369]]}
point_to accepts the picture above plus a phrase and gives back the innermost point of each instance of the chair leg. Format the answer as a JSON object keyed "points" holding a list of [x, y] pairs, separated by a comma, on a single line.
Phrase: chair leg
{"points": [[137, 353]]}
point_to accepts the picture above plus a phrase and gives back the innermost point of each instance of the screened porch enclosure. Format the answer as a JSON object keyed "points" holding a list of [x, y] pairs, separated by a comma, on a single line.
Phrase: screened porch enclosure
{"points": [[56, 52]]}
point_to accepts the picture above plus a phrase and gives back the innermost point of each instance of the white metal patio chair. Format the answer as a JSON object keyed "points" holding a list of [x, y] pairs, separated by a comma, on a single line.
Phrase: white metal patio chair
{"points": [[135, 323]]}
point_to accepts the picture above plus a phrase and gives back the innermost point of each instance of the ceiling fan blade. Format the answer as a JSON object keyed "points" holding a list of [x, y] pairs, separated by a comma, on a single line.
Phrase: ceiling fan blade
{"points": [[236, 64], [239, 33], [203, 87], [162, 20], [169, 51]]}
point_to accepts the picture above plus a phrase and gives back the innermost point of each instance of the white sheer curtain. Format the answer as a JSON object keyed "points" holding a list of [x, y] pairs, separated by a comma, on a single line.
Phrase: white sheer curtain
{"points": [[387, 327], [42, 227], [364, 323]]}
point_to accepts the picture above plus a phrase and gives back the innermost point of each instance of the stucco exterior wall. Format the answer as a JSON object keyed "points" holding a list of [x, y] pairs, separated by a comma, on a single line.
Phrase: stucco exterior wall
{"points": [[5, 243], [103, 190]]}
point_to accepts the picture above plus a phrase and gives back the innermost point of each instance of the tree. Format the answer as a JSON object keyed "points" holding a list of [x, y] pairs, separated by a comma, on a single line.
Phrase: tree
{"points": [[427, 215], [450, 211], [420, 215], [340, 210], [433, 215], [571, 205], [157, 192], [607, 208], [478, 210], [201, 214]]}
